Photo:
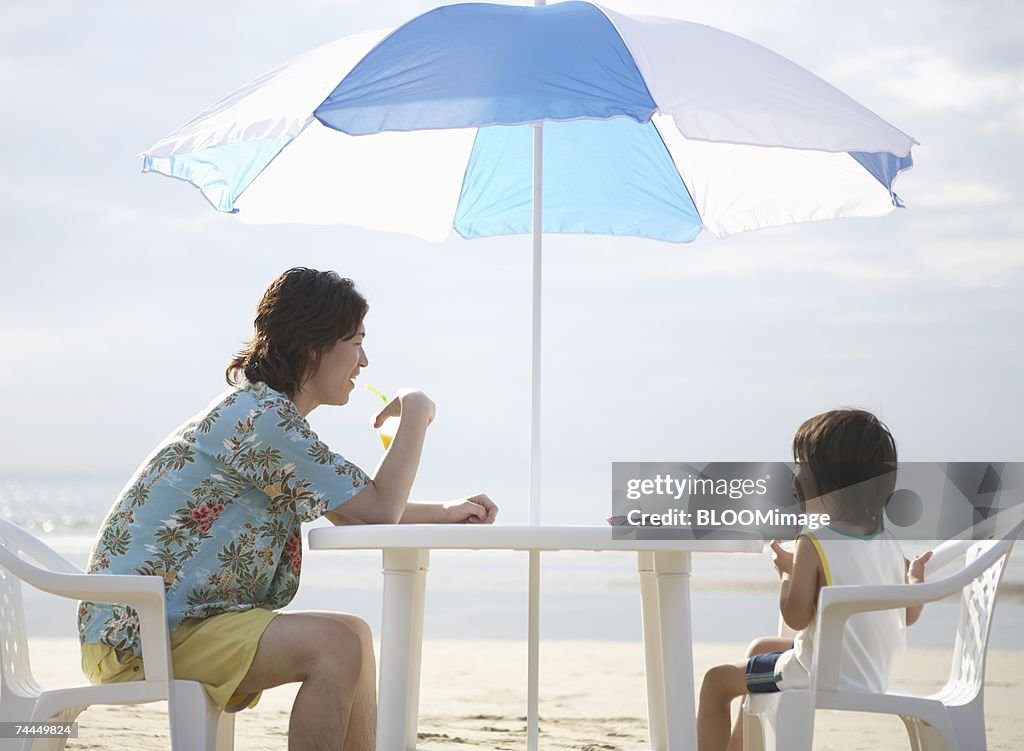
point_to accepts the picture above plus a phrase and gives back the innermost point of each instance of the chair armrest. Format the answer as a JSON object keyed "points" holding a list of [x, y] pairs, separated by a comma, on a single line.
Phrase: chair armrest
{"points": [[946, 553], [837, 603], [36, 549], [143, 593], [112, 588], [952, 550]]}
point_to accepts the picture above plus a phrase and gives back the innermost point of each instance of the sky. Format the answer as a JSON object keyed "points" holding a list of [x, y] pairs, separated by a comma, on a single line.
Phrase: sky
{"points": [[123, 295]]}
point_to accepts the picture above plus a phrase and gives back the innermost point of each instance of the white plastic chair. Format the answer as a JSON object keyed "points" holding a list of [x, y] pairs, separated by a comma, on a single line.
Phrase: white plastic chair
{"points": [[196, 723], [953, 719]]}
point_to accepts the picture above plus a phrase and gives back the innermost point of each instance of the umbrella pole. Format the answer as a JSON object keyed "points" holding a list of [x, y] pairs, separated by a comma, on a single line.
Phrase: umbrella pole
{"points": [[535, 458], [533, 657]]}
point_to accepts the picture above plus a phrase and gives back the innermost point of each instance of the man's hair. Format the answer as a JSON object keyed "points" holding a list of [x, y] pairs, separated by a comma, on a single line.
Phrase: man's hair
{"points": [[852, 454], [303, 313]]}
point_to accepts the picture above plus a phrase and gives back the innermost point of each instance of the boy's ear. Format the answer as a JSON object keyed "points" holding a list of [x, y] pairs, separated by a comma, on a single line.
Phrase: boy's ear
{"points": [[802, 478]]}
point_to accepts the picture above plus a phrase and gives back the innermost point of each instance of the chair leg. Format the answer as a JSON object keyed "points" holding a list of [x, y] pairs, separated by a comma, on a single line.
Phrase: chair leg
{"points": [[66, 715], [793, 736], [913, 725], [14, 706], [781, 721], [968, 721], [197, 724], [225, 731], [926, 737], [753, 731], [788, 725]]}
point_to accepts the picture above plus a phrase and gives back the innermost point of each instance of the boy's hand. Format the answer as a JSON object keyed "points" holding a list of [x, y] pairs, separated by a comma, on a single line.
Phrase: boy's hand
{"points": [[782, 558], [477, 509], [915, 568]]}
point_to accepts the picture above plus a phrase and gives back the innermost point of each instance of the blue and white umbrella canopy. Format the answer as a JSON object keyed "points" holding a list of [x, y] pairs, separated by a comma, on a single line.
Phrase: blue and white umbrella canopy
{"points": [[653, 127]]}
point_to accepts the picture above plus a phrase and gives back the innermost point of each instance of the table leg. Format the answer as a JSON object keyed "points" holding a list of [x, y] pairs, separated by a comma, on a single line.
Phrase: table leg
{"points": [[416, 655], [672, 572], [401, 645], [533, 656], [653, 665]]}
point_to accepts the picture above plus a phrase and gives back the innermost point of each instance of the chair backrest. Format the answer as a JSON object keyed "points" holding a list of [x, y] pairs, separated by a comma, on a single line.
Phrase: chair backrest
{"points": [[977, 605], [15, 545]]}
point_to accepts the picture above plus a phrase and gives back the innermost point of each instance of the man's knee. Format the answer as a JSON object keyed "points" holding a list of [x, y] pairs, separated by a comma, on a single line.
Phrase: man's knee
{"points": [[350, 630], [360, 629], [346, 647]]}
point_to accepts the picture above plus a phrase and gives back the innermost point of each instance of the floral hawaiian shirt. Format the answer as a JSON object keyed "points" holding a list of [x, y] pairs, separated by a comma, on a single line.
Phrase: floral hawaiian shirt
{"points": [[216, 511]]}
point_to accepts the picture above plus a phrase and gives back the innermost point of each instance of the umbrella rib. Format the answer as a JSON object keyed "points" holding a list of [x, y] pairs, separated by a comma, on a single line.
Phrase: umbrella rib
{"points": [[309, 121]]}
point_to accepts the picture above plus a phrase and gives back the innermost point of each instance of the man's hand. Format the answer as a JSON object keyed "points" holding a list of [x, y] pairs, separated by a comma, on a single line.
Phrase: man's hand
{"points": [[477, 509], [782, 558], [408, 401]]}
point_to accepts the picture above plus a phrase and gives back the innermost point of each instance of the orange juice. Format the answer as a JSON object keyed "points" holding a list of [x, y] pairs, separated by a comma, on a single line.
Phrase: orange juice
{"points": [[387, 431]]}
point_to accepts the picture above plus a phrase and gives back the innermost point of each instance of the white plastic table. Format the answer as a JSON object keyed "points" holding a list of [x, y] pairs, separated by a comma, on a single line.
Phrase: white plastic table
{"points": [[664, 568]]}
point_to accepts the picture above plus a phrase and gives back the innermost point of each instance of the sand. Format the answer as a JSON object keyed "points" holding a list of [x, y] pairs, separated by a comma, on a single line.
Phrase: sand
{"points": [[592, 699]]}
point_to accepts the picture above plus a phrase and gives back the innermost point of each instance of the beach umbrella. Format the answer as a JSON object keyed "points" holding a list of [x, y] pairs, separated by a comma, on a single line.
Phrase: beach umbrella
{"points": [[570, 118]]}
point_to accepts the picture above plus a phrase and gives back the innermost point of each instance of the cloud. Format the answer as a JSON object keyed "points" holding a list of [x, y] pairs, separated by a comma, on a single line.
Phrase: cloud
{"points": [[102, 208], [960, 194], [858, 319], [975, 263], [115, 283], [932, 82]]}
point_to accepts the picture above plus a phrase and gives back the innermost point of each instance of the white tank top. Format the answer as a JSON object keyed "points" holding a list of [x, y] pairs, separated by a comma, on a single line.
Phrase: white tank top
{"points": [[871, 640]]}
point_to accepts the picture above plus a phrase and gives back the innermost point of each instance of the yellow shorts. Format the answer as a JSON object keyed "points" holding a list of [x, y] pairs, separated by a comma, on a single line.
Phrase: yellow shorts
{"points": [[216, 651]]}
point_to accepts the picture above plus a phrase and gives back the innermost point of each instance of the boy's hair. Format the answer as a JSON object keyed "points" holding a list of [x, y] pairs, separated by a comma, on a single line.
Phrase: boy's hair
{"points": [[303, 313], [852, 451]]}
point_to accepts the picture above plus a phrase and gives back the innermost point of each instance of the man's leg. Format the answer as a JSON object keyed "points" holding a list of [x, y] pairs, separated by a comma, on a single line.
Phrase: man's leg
{"points": [[362, 727], [331, 654]]}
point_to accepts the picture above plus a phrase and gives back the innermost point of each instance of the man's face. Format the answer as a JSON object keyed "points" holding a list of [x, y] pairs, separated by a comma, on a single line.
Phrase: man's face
{"points": [[334, 379]]}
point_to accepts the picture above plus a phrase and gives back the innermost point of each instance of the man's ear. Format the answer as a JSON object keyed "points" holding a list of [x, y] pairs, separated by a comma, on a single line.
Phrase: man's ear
{"points": [[313, 359]]}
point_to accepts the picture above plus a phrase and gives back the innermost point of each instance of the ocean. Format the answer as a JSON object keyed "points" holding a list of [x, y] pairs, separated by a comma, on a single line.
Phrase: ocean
{"points": [[482, 594]]}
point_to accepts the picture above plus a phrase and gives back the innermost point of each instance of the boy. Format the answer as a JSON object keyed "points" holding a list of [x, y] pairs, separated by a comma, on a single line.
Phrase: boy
{"points": [[846, 461]]}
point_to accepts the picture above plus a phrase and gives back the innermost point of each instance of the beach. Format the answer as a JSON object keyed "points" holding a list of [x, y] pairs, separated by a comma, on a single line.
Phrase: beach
{"points": [[592, 689], [625, 258], [592, 698]]}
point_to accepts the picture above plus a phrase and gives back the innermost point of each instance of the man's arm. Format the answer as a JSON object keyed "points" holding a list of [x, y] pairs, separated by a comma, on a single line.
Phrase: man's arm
{"points": [[476, 509], [384, 499], [422, 513]]}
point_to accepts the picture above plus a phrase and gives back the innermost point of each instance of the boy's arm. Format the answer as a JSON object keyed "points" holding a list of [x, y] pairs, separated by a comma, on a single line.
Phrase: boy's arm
{"points": [[915, 575], [800, 585]]}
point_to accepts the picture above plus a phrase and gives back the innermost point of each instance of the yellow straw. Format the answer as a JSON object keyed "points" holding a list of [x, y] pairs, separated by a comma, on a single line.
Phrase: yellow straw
{"points": [[377, 392]]}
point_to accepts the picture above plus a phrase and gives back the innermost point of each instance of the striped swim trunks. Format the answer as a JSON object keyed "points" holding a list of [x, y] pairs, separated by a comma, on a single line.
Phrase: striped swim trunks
{"points": [[760, 673]]}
